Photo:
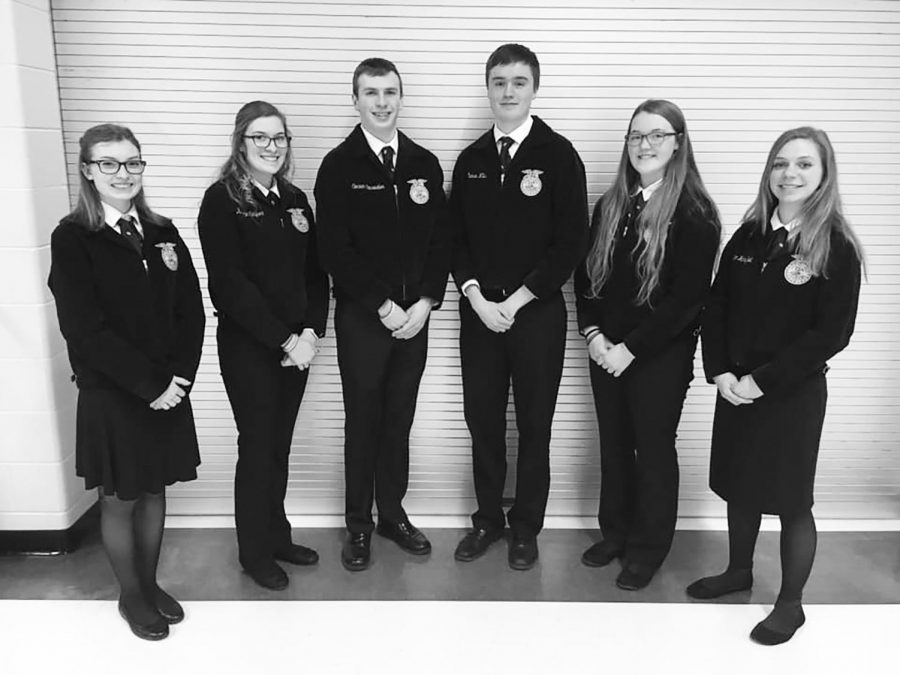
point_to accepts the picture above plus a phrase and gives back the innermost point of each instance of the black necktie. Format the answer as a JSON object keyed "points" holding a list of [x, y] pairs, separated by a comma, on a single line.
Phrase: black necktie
{"points": [[132, 236], [272, 199], [775, 242], [505, 159], [387, 158]]}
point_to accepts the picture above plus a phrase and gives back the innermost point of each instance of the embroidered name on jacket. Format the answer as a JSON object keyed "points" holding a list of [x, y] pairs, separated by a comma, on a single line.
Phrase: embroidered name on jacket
{"points": [[743, 258], [250, 214], [482, 175], [366, 186]]}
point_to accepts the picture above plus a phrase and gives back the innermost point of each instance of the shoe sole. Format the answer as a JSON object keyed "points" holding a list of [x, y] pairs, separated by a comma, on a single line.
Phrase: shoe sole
{"points": [[355, 568], [171, 620], [521, 567], [591, 563]]}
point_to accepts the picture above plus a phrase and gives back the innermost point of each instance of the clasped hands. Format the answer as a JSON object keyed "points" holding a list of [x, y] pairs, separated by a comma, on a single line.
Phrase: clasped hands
{"points": [[302, 351], [737, 391], [498, 316], [613, 358], [173, 394], [405, 324]]}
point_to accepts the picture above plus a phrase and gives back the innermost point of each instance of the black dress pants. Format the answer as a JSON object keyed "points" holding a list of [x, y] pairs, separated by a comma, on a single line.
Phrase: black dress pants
{"points": [[638, 415], [530, 355], [265, 398], [380, 378]]}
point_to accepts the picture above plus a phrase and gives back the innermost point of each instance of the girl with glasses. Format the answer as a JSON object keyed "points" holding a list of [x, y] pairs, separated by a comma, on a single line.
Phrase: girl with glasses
{"points": [[130, 310], [783, 303], [271, 295], [654, 237]]}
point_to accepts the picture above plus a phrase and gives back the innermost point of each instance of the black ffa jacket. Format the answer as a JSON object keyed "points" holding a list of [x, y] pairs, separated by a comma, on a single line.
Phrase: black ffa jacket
{"points": [[380, 241], [263, 264], [674, 308], [127, 326], [532, 230], [758, 322]]}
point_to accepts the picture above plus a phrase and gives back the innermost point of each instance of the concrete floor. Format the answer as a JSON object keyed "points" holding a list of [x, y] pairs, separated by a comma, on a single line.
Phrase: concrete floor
{"points": [[201, 564]]}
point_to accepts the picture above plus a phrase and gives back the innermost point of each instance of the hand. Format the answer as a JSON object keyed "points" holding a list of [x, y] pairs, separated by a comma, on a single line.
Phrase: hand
{"points": [[617, 359], [302, 353], [489, 312], [511, 306], [417, 316], [598, 347], [726, 383], [747, 388], [395, 319], [172, 395]]}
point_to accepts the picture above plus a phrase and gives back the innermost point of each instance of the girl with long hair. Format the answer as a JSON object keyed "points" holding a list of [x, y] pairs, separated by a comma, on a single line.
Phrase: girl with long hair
{"points": [[783, 302], [130, 310], [654, 237], [271, 295]]}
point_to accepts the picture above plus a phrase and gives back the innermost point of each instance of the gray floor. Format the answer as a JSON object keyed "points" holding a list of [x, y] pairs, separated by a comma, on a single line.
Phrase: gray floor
{"points": [[201, 564]]}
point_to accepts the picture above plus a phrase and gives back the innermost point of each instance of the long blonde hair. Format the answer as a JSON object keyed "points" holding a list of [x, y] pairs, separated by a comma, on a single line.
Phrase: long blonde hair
{"points": [[681, 179], [821, 212]]}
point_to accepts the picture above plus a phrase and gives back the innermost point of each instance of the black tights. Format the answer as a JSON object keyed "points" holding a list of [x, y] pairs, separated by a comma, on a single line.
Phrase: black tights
{"points": [[798, 548], [132, 534]]}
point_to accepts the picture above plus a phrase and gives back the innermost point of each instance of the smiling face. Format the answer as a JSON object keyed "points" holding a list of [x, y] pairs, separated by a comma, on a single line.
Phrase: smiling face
{"points": [[510, 93], [378, 101], [264, 162], [120, 188], [795, 174], [650, 161]]}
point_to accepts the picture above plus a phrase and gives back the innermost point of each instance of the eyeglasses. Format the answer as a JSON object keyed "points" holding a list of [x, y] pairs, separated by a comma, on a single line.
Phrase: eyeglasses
{"points": [[111, 166], [262, 141], [653, 138]]}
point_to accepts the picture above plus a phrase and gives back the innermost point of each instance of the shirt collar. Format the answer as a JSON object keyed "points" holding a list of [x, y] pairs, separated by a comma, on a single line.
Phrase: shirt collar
{"points": [[111, 216], [776, 223], [648, 191], [265, 191], [519, 134], [378, 145]]}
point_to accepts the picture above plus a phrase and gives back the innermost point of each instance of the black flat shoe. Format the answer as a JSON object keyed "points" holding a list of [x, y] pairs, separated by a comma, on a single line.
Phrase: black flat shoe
{"points": [[356, 554], [523, 551], [635, 576], [476, 543], [168, 607], [296, 554], [769, 635], [601, 554], [157, 630], [406, 535], [269, 576]]}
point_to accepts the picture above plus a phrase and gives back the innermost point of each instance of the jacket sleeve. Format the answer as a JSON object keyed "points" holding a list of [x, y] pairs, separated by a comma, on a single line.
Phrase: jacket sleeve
{"points": [[713, 326], [437, 261], [85, 328], [351, 272], [463, 266], [233, 293], [834, 320], [693, 256], [190, 317], [316, 281], [570, 233], [587, 309]]}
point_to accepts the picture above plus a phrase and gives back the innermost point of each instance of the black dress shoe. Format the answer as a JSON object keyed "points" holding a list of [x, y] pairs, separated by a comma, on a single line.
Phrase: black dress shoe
{"points": [[168, 607], [406, 535], [601, 554], [268, 575], [297, 555], [156, 630], [476, 543], [357, 551], [523, 551], [635, 576]]}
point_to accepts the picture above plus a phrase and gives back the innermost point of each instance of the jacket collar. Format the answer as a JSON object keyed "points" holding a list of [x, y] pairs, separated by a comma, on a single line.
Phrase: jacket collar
{"points": [[540, 134], [359, 146]]}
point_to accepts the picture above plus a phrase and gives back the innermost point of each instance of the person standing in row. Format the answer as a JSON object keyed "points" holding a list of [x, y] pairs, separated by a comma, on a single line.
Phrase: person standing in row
{"points": [[519, 206], [783, 302], [271, 296], [654, 238], [130, 310], [382, 218]]}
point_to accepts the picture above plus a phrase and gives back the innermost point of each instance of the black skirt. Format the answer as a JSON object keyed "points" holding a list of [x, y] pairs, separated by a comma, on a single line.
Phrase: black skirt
{"points": [[764, 453], [128, 449]]}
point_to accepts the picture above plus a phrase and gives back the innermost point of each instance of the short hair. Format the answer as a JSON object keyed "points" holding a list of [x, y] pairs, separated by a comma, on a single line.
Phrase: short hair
{"points": [[514, 53], [375, 67]]}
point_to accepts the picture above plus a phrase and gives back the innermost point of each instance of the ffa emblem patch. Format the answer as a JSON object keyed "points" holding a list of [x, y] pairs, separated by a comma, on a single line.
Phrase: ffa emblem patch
{"points": [[531, 182], [797, 272], [299, 220], [417, 191], [169, 257]]}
